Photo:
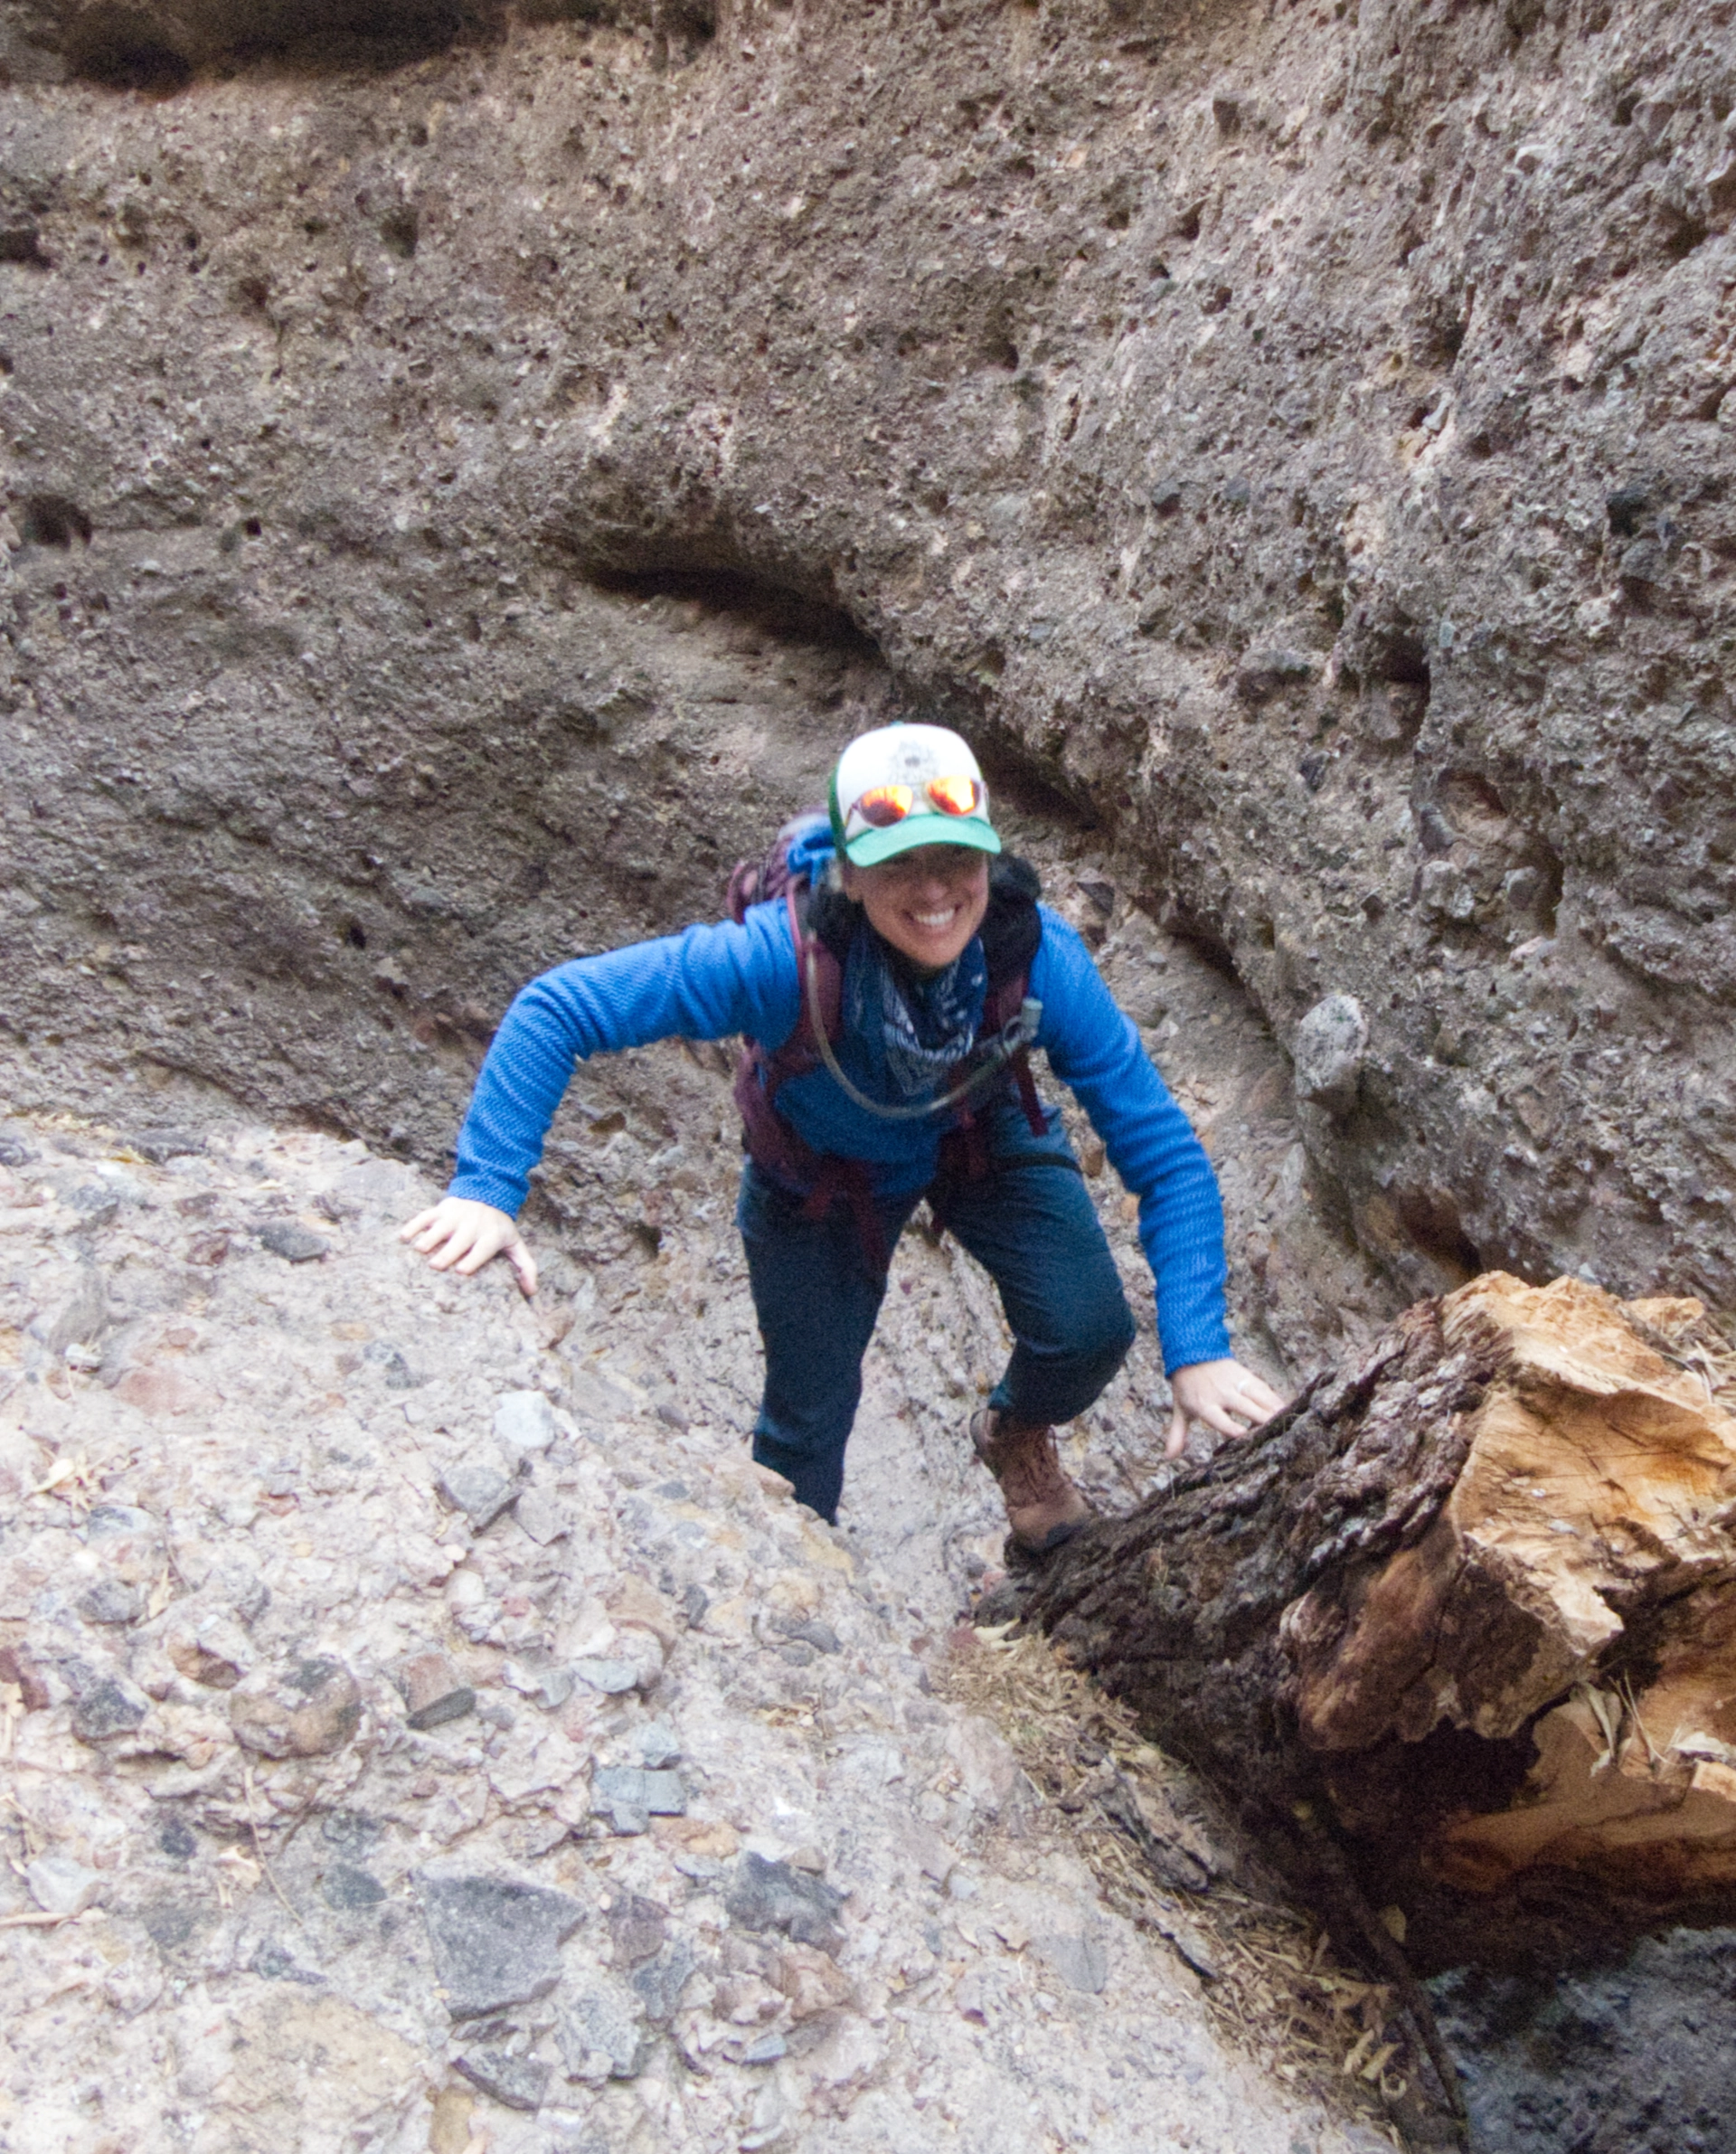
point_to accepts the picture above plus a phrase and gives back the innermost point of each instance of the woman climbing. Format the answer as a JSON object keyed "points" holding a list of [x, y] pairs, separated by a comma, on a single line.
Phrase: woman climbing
{"points": [[891, 986]]}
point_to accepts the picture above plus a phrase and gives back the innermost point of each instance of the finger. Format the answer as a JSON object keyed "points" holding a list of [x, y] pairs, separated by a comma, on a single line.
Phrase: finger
{"points": [[1260, 1394], [1176, 1441], [477, 1253], [1217, 1417], [412, 1227], [431, 1237], [525, 1264]]}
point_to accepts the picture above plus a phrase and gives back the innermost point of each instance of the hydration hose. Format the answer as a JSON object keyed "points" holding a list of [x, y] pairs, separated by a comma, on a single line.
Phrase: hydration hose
{"points": [[1011, 1040]]}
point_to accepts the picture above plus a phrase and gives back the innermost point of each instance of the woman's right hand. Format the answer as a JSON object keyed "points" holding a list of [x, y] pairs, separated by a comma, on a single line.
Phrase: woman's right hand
{"points": [[461, 1233]]}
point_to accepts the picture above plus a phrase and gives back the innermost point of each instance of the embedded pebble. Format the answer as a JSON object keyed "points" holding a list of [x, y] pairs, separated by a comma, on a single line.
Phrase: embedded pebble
{"points": [[519, 2082], [59, 1885], [295, 1244], [495, 1940]]}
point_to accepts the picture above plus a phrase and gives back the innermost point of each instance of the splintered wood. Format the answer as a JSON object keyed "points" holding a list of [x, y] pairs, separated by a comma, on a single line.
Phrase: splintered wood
{"points": [[1634, 1777], [1479, 1596], [1589, 1532]]}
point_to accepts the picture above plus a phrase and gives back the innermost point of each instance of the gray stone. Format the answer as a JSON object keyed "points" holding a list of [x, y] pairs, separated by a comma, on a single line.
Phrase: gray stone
{"points": [[247, 1593], [1330, 1047], [514, 2081], [659, 1983], [345, 1886], [296, 1244], [821, 1636], [178, 1840], [112, 1601], [394, 1369], [618, 1792], [109, 1521], [96, 1205], [602, 2033], [479, 1492], [1644, 562], [548, 1685], [611, 1677], [524, 1423], [1078, 1957], [59, 1885], [276, 1963], [772, 1895], [665, 1795], [767, 2050], [656, 1746], [353, 1830], [1445, 891], [495, 1941], [109, 1708]]}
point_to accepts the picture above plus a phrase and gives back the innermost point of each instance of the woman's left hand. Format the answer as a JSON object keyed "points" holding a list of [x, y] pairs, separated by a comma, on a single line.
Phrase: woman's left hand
{"points": [[1224, 1395]]}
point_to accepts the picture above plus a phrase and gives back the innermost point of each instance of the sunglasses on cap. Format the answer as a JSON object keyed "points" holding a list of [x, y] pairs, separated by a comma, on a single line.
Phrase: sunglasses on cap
{"points": [[881, 806]]}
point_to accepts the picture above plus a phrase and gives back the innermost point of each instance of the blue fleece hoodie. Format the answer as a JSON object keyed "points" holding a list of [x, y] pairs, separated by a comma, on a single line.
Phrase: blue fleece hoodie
{"points": [[711, 982]]}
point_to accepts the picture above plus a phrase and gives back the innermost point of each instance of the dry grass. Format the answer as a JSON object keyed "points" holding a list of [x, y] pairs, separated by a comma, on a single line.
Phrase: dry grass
{"points": [[1270, 1977]]}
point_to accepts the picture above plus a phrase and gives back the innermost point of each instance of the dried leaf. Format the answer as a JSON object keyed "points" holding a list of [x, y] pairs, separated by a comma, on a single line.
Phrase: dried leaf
{"points": [[1378, 2063], [1358, 2055]]}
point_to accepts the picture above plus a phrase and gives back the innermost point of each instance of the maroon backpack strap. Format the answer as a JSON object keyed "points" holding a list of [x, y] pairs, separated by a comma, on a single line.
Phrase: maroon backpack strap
{"points": [[1001, 1007], [799, 1054], [746, 879]]}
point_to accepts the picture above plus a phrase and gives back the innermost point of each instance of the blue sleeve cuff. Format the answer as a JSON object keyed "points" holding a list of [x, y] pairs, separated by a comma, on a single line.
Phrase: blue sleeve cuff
{"points": [[502, 1191]]}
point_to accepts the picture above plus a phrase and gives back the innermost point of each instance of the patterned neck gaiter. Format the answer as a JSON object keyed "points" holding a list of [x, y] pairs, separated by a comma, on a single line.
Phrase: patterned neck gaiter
{"points": [[911, 1031]]}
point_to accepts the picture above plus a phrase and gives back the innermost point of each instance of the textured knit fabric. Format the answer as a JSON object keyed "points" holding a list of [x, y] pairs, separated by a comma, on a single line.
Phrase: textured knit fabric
{"points": [[1029, 1222], [711, 982]]}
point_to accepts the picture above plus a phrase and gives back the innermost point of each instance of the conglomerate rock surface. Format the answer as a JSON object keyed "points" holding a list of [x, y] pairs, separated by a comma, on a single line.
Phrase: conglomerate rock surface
{"points": [[424, 1729], [1299, 434]]}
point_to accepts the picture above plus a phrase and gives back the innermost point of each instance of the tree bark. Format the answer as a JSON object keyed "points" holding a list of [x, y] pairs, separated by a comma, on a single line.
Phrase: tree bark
{"points": [[1467, 1613]]}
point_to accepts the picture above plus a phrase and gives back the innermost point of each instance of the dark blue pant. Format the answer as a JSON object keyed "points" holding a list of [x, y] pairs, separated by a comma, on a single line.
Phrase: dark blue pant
{"points": [[1029, 1222]]}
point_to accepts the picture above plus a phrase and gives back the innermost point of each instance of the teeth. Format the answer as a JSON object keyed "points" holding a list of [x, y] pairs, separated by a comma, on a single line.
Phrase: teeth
{"points": [[934, 919]]}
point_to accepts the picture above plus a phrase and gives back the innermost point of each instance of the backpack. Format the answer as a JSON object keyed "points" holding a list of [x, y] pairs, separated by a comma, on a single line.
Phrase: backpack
{"points": [[823, 921]]}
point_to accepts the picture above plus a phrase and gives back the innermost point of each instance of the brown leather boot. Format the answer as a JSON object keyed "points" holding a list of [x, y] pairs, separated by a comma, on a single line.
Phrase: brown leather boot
{"points": [[1043, 1508]]}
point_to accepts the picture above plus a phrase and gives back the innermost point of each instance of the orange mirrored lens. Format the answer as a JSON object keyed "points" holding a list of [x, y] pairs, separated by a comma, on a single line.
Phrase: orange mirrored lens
{"points": [[955, 796], [884, 806]]}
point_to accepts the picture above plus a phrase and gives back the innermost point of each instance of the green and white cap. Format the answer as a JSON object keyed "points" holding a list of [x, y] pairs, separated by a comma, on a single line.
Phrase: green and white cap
{"points": [[904, 786]]}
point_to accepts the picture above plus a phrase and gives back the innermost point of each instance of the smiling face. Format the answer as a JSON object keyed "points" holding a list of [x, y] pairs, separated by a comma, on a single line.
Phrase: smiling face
{"points": [[927, 903]]}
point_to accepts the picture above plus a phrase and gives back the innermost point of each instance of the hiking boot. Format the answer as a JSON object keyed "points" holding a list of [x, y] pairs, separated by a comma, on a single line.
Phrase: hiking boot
{"points": [[1043, 1508]]}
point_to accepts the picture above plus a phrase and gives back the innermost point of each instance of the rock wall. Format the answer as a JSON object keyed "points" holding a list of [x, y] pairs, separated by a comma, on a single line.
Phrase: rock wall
{"points": [[1298, 436]]}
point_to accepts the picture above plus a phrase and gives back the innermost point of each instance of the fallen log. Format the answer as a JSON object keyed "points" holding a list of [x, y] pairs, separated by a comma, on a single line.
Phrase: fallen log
{"points": [[1460, 1625]]}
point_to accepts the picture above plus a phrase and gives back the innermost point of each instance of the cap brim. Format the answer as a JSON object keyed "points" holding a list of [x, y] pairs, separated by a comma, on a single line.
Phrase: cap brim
{"points": [[870, 847]]}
